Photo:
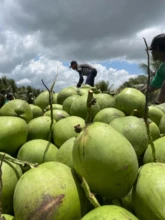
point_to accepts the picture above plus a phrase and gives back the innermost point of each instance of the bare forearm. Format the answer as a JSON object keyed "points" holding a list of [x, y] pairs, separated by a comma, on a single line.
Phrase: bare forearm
{"points": [[161, 96], [144, 89]]}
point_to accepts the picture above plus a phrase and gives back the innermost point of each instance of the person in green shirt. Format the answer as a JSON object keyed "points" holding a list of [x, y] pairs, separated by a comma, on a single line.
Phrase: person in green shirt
{"points": [[158, 53], [9, 97]]}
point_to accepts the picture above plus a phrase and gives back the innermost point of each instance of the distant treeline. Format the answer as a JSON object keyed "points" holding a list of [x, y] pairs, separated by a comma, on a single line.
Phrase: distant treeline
{"points": [[26, 93]]}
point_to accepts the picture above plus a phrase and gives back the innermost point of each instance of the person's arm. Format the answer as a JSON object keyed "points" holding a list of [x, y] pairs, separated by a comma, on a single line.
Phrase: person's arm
{"points": [[144, 89], [151, 89], [81, 78], [161, 96]]}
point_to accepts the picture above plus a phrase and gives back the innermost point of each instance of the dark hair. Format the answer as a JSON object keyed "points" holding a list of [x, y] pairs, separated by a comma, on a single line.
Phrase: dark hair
{"points": [[9, 95], [158, 42], [72, 63]]}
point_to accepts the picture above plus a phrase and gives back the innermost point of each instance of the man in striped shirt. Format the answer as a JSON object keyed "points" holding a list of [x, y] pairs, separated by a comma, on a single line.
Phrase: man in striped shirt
{"points": [[84, 70]]}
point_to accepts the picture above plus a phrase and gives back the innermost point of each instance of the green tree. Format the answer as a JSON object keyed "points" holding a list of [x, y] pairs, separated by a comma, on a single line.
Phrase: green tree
{"points": [[12, 85], [136, 82], [154, 64], [26, 93], [104, 86]]}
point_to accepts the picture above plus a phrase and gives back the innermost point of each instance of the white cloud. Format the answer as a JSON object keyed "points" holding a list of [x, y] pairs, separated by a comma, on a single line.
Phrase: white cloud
{"points": [[17, 49], [32, 72], [114, 76], [37, 35], [23, 82]]}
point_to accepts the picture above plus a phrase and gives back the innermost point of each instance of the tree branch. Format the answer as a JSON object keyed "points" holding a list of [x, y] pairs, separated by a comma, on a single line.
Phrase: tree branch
{"points": [[50, 91]]}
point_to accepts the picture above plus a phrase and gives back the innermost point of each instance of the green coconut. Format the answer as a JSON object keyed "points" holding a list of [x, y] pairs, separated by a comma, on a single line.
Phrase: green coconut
{"points": [[55, 98], [79, 108], [13, 133], [134, 129], [42, 99], [130, 99], [58, 114], [68, 102], [162, 125], [8, 217], [109, 212], [148, 192], [65, 93], [105, 100], [106, 159], [82, 91], [86, 87], [127, 202], [50, 191], [155, 114], [18, 108], [64, 154], [161, 107], [65, 129], [160, 151], [39, 128], [106, 115], [36, 110], [154, 130], [54, 106], [11, 173], [37, 151]]}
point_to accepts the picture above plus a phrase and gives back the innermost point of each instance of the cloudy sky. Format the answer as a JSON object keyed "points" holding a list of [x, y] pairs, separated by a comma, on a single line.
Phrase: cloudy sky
{"points": [[39, 38]]}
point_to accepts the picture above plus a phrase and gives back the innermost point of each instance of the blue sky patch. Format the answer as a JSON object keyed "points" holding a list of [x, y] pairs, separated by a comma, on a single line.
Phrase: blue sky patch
{"points": [[132, 68]]}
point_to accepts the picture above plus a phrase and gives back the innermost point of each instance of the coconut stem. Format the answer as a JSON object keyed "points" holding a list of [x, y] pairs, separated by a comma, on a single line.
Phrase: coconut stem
{"points": [[50, 91], [78, 128], [146, 106], [4, 158], [51, 107], [88, 193], [18, 162], [134, 112], [90, 101]]}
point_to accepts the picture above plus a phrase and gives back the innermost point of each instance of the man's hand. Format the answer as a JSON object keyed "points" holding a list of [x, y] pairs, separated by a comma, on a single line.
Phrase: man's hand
{"points": [[78, 85]]}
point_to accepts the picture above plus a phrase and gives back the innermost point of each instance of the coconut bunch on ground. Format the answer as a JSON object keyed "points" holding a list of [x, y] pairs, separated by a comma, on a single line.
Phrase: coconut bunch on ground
{"points": [[84, 155]]}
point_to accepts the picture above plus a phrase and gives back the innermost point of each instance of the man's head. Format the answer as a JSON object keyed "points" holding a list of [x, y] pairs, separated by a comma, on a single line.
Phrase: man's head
{"points": [[10, 96], [73, 65], [158, 47]]}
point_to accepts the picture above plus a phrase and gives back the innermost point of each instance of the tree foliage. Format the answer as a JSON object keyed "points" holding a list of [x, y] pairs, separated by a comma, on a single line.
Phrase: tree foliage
{"points": [[154, 64], [104, 86], [134, 82], [26, 93]]}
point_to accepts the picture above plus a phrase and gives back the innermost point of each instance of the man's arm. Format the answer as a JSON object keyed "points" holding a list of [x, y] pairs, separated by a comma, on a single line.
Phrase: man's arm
{"points": [[151, 89], [81, 79]]}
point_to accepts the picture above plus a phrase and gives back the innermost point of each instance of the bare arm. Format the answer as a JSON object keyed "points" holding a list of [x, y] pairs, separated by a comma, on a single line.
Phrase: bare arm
{"points": [[151, 89]]}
